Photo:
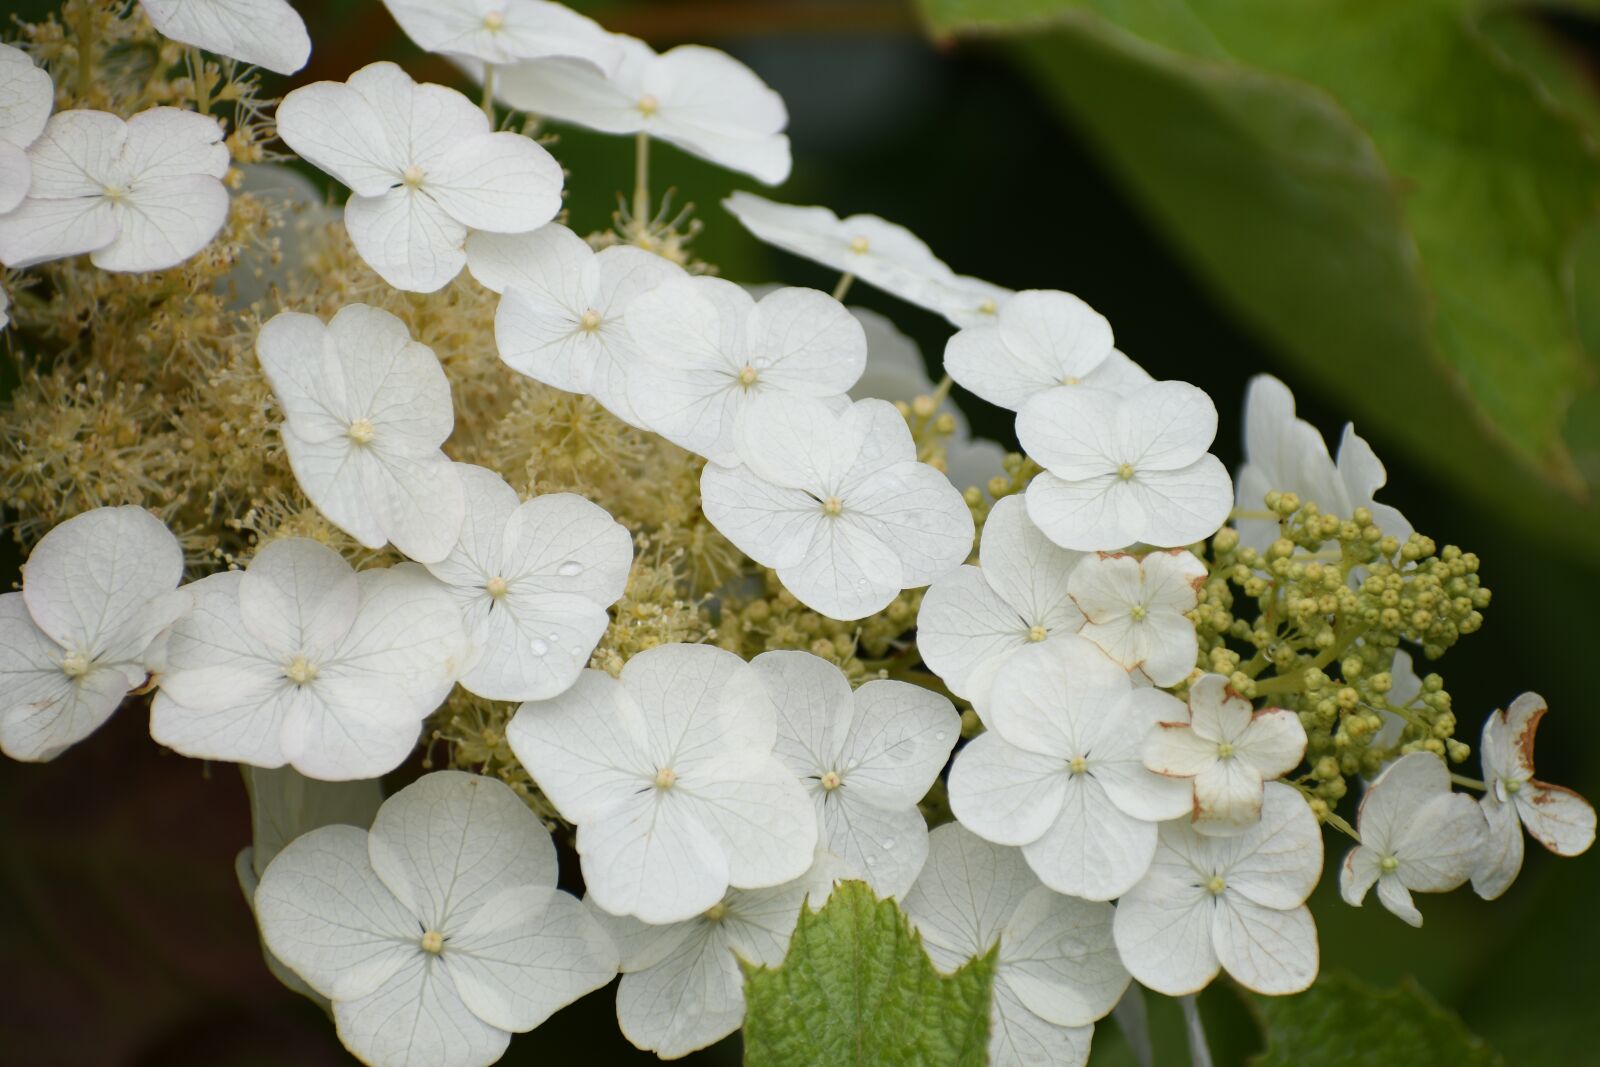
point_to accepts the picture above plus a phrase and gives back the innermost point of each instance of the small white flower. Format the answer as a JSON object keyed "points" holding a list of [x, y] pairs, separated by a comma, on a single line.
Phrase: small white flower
{"points": [[1237, 903], [560, 319], [699, 99], [365, 410], [682, 988], [866, 758], [1039, 340], [1120, 469], [1559, 819], [140, 195], [298, 659], [26, 96], [838, 504], [533, 580], [963, 300], [96, 591], [668, 773], [1415, 835], [1059, 771], [265, 33], [1229, 749], [709, 350], [1287, 454], [505, 31], [1057, 970], [1134, 609], [423, 168], [975, 618], [440, 932]]}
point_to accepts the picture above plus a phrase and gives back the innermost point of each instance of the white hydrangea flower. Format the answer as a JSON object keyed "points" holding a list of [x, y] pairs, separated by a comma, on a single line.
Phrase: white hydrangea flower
{"points": [[865, 757], [533, 580], [669, 774], [1234, 903], [1230, 750], [1135, 610], [423, 169], [1286, 453], [1416, 835], [838, 504], [964, 300], [440, 932], [298, 659], [560, 319], [682, 988], [505, 31], [1059, 771], [699, 99], [1039, 340], [1559, 819], [264, 33], [974, 619], [1057, 970], [365, 410], [140, 195], [709, 350], [1120, 469], [26, 96], [96, 591]]}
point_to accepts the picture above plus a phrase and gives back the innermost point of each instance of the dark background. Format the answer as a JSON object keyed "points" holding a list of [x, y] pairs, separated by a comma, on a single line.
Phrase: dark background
{"points": [[123, 936]]}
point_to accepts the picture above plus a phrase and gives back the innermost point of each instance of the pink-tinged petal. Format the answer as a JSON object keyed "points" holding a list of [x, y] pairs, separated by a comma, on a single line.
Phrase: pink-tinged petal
{"points": [[1556, 817]]}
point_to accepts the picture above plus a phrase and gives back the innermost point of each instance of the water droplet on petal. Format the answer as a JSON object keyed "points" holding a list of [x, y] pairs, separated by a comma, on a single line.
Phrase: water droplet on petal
{"points": [[555, 639], [940, 736], [872, 861], [538, 646], [570, 569], [889, 843]]}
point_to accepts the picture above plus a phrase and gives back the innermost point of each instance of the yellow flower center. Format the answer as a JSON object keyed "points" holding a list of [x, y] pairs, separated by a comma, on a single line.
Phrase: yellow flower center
{"points": [[748, 376], [1225, 750], [494, 21], [1388, 865], [433, 942], [1037, 634], [495, 587], [1138, 612], [1071, 379], [75, 665], [412, 176], [988, 307], [300, 671], [590, 321], [648, 105], [1216, 884], [665, 778], [1512, 785], [833, 507], [361, 431], [831, 781], [1125, 471], [859, 245], [716, 912], [1077, 764]]}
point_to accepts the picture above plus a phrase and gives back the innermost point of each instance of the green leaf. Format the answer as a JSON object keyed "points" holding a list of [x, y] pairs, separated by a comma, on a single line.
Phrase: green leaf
{"points": [[1343, 1022], [856, 988], [1393, 197]]}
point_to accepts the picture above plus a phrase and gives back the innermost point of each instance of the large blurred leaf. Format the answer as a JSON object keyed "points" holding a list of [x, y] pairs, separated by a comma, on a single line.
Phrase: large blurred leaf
{"points": [[1394, 197]]}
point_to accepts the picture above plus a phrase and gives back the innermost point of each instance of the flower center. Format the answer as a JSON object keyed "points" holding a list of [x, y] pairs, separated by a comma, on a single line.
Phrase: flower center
{"points": [[1225, 750], [361, 431], [716, 912], [590, 322], [1216, 884], [494, 21], [1077, 765], [1071, 379], [75, 665], [412, 176], [988, 307], [1511, 785], [833, 507], [495, 587], [1037, 634], [648, 105], [1138, 612], [665, 778], [859, 245], [831, 781], [115, 192], [433, 942], [1125, 471], [1388, 865], [300, 671], [748, 376]]}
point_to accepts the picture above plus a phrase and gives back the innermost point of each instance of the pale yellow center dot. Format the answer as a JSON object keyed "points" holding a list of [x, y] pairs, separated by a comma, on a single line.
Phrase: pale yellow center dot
{"points": [[433, 942], [1071, 379], [831, 781], [1037, 634], [494, 21], [1512, 785], [495, 587], [590, 322], [1216, 884], [1224, 750], [748, 376], [665, 777], [412, 176], [859, 245], [1138, 612], [648, 105], [833, 507], [115, 192], [1388, 864], [361, 431], [75, 665], [1125, 471], [988, 307], [716, 912], [1077, 764], [300, 671]]}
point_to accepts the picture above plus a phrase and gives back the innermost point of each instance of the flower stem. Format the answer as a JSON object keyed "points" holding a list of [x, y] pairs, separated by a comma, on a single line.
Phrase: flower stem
{"points": [[488, 91], [1470, 783], [1245, 513], [85, 33], [1199, 1051], [202, 88], [641, 180], [844, 285], [942, 390]]}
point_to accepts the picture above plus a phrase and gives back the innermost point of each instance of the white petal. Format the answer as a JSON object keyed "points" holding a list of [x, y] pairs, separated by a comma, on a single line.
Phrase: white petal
{"points": [[1176, 749], [884, 847], [1396, 795], [266, 33], [1163, 930], [561, 543], [416, 500], [899, 739], [758, 811], [500, 182], [805, 341], [699, 702], [1267, 951], [1394, 896], [1072, 432], [296, 595], [967, 892], [1273, 743], [529, 29], [1059, 959], [15, 173], [1098, 514], [914, 509], [1019, 1038], [285, 804], [62, 715], [1559, 819], [534, 647], [1027, 569], [814, 708], [578, 92], [408, 238], [690, 999], [1053, 697], [651, 856], [848, 572], [1227, 797], [1005, 794], [26, 96], [1357, 875], [772, 524], [692, 333], [161, 225], [1115, 753], [587, 748], [169, 142], [966, 631], [1277, 861], [1500, 861], [1440, 843], [715, 107], [1040, 340], [479, 553], [417, 1019], [1094, 850], [336, 128]]}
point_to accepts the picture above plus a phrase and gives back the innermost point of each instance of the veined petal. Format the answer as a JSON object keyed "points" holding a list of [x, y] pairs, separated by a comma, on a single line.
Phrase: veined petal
{"points": [[772, 524], [297, 595], [649, 855], [965, 631], [265, 33], [1500, 861], [334, 127], [407, 237], [758, 811], [899, 739], [847, 573], [1266, 950], [1006, 794], [1163, 931], [418, 1017], [1559, 819], [587, 747], [1094, 850], [1028, 570], [500, 182], [967, 892], [686, 1001], [884, 847], [1058, 957]]}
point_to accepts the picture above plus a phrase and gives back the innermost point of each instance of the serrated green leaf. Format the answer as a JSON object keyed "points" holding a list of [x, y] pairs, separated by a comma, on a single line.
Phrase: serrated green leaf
{"points": [[856, 988], [1344, 1022], [1382, 190]]}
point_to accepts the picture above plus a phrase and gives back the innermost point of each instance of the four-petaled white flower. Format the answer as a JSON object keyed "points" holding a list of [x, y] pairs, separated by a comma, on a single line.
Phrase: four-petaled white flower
{"points": [[298, 659], [96, 591], [865, 757], [533, 580], [140, 195], [1237, 903], [26, 96], [365, 410], [1416, 834], [1559, 819], [265, 33], [709, 350], [1230, 750], [1057, 970], [1039, 340], [1059, 772], [1134, 609], [669, 774], [423, 170], [560, 319], [1119, 469], [838, 504], [440, 932], [682, 987], [1287, 454], [505, 31], [699, 99], [975, 618]]}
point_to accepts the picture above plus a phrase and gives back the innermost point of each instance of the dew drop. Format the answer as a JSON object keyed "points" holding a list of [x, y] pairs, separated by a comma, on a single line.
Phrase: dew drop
{"points": [[872, 861], [538, 646], [570, 569], [555, 639], [940, 736], [889, 843]]}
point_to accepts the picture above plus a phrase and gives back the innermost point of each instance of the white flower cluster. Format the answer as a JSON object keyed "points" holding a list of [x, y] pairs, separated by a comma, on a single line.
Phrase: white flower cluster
{"points": [[711, 796]]}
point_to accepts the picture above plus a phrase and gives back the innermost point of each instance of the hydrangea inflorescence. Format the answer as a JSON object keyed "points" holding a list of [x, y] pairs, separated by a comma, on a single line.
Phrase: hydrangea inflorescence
{"points": [[762, 640]]}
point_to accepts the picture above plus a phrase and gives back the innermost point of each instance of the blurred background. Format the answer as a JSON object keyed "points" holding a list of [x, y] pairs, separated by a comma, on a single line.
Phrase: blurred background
{"points": [[1392, 206]]}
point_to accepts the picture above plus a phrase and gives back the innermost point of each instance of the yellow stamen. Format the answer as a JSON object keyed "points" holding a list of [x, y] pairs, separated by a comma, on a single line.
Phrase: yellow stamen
{"points": [[665, 777], [361, 431], [495, 587], [433, 942], [300, 671], [831, 781]]}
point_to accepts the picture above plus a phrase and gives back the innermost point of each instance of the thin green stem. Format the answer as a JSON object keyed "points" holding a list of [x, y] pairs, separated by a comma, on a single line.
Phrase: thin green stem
{"points": [[1245, 513], [84, 29], [488, 91], [1295, 681], [844, 285], [641, 179], [202, 87], [1470, 783], [942, 390]]}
